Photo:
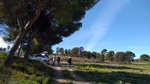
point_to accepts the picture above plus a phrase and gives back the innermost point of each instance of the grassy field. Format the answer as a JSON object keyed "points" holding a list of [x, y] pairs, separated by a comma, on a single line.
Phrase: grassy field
{"points": [[111, 73], [135, 73], [67, 76], [76, 59]]}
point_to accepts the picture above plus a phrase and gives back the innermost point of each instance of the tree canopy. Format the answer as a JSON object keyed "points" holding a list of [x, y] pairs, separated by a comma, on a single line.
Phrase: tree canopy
{"points": [[22, 14]]}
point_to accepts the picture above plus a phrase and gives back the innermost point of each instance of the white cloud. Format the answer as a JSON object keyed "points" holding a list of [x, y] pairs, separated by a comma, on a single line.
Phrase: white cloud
{"points": [[3, 43], [102, 23]]}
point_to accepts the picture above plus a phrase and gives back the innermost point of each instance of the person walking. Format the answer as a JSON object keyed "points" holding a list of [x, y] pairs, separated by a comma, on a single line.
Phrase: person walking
{"points": [[69, 62], [58, 60], [54, 59]]}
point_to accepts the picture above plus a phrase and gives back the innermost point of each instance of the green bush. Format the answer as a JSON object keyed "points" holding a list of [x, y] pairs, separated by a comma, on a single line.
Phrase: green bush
{"points": [[2, 57], [46, 80], [28, 82], [5, 74]]}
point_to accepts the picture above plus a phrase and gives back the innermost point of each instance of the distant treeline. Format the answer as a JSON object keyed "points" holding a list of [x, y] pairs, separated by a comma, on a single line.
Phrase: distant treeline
{"points": [[4, 49], [104, 55]]}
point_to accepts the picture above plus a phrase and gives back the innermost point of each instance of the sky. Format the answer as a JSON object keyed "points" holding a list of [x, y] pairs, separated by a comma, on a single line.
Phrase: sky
{"points": [[118, 25]]}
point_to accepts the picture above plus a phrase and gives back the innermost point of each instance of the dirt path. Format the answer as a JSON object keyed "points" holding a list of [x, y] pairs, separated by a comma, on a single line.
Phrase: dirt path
{"points": [[77, 79], [59, 76]]}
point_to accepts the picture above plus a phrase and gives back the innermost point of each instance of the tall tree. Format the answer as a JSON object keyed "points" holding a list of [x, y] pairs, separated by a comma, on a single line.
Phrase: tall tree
{"points": [[18, 10]]}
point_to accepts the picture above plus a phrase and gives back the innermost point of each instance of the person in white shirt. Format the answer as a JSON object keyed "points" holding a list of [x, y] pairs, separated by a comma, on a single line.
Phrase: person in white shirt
{"points": [[54, 59]]}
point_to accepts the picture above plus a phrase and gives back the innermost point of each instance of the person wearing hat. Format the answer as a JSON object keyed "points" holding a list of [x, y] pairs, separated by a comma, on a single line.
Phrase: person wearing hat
{"points": [[69, 62]]}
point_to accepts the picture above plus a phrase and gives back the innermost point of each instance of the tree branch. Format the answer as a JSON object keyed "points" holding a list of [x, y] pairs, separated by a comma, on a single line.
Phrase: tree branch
{"points": [[37, 14], [44, 3], [19, 22]]}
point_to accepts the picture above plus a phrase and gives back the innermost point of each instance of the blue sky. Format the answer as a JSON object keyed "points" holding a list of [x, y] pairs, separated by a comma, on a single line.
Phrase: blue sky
{"points": [[118, 25]]}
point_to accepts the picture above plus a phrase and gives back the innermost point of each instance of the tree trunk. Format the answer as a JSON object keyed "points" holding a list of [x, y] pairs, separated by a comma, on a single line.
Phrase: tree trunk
{"points": [[12, 51], [30, 38], [27, 48], [22, 32]]}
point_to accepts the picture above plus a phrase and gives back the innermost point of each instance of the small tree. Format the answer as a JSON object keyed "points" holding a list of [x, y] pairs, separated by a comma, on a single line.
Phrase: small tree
{"points": [[129, 56], [75, 51], [87, 54], [69, 52], [66, 52], [98, 55], [93, 54], [120, 57], [81, 49], [61, 50], [145, 57], [110, 56], [104, 52], [102, 56], [57, 50]]}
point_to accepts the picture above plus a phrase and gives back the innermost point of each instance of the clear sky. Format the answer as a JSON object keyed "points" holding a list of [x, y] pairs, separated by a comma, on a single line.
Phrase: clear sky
{"points": [[118, 25]]}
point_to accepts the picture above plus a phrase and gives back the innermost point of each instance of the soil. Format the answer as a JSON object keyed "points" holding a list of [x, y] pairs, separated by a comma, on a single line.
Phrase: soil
{"points": [[59, 79]]}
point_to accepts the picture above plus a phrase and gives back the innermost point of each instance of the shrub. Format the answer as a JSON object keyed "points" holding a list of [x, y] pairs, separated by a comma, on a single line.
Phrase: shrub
{"points": [[5, 73], [18, 75], [2, 57], [24, 71]]}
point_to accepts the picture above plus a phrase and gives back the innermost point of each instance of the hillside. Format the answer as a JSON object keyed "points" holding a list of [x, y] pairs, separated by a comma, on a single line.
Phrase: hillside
{"points": [[25, 72]]}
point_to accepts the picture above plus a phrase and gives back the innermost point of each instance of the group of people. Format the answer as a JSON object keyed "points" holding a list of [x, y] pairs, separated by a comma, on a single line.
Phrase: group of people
{"points": [[58, 61]]}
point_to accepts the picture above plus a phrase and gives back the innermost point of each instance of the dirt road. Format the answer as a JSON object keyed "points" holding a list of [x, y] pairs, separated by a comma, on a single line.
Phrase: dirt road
{"points": [[59, 79]]}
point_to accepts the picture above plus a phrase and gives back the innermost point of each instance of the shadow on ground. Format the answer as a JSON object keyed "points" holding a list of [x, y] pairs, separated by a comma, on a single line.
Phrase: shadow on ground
{"points": [[112, 77]]}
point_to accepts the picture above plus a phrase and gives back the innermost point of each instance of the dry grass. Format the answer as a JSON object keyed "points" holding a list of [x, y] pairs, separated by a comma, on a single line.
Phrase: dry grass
{"points": [[76, 59]]}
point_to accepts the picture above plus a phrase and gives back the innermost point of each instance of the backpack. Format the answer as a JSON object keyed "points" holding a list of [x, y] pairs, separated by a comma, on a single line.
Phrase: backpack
{"points": [[69, 60]]}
